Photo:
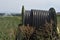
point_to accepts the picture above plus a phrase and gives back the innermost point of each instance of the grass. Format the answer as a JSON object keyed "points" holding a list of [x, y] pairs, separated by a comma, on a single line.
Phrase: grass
{"points": [[8, 26], [58, 23]]}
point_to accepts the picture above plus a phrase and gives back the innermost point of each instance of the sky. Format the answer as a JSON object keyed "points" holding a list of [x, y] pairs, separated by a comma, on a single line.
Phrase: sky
{"points": [[15, 6]]}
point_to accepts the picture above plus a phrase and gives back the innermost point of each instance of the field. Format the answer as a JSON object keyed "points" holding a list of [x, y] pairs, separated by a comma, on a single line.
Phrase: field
{"points": [[58, 23], [8, 27]]}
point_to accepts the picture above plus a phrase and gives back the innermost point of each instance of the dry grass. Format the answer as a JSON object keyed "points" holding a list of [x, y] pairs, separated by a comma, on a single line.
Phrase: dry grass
{"points": [[10, 24], [29, 30]]}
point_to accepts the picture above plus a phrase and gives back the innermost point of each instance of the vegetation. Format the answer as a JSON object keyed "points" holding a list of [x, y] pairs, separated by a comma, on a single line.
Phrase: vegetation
{"points": [[58, 23], [8, 27]]}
